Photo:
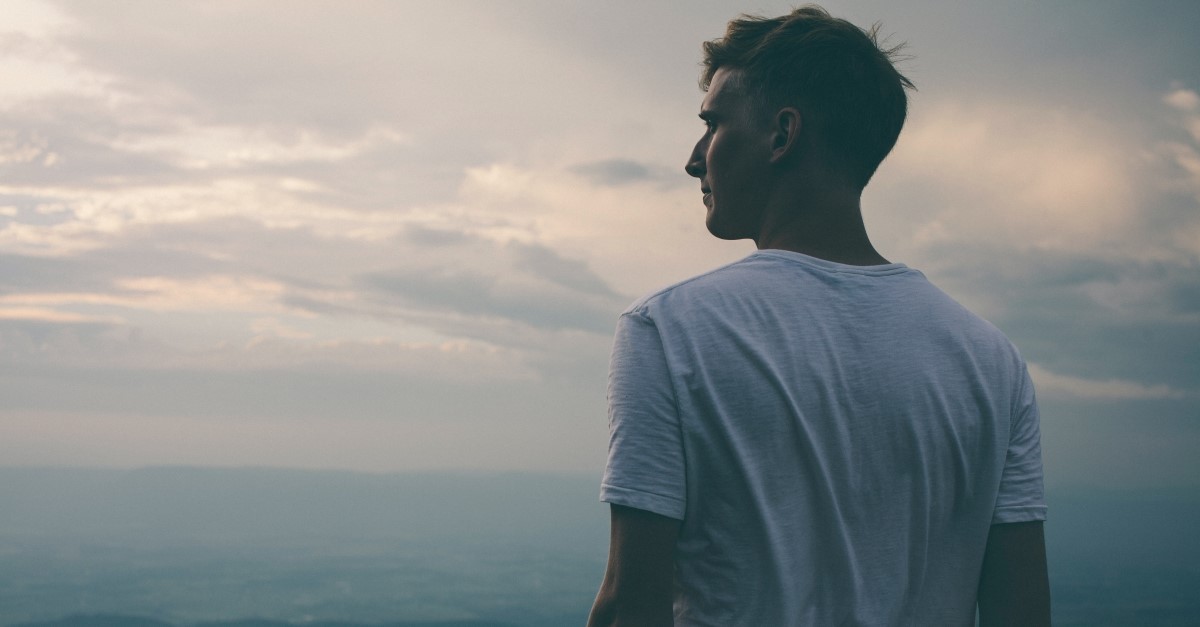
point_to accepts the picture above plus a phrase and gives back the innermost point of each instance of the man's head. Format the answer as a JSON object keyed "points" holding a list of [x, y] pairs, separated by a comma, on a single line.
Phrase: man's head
{"points": [[844, 85]]}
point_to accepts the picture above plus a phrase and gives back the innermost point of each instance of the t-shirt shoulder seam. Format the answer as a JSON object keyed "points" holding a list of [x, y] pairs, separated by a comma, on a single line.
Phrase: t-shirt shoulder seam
{"points": [[639, 306]]}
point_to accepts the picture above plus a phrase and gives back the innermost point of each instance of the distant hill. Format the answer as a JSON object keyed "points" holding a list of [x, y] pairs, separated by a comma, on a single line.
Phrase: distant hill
{"points": [[99, 620], [269, 506], [197, 546], [116, 620]]}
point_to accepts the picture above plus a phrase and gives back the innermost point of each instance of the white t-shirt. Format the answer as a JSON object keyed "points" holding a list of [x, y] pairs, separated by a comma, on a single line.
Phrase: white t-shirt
{"points": [[837, 441]]}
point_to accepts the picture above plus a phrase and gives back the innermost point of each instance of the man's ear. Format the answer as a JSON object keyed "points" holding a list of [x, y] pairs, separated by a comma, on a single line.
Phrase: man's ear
{"points": [[785, 133]]}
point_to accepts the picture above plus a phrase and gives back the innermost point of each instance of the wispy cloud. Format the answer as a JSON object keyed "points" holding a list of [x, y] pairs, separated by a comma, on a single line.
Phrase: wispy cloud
{"points": [[613, 171], [42, 314], [1184, 154], [1052, 384], [1012, 172]]}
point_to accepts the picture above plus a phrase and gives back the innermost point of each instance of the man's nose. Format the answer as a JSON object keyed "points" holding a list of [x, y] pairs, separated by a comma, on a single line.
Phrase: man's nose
{"points": [[695, 164]]}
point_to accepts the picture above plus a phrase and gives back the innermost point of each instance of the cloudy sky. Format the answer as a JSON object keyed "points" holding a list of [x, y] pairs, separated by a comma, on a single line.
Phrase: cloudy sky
{"points": [[396, 236]]}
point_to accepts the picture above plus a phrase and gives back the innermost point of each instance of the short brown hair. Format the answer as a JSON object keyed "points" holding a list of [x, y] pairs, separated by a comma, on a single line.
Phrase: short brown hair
{"points": [[834, 72]]}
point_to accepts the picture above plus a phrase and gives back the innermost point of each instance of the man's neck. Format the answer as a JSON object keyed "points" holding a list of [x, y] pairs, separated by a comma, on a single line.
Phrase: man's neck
{"points": [[829, 228]]}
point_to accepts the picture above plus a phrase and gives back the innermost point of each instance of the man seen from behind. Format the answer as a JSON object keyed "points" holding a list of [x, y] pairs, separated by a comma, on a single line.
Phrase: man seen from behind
{"points": [[814, 435]]}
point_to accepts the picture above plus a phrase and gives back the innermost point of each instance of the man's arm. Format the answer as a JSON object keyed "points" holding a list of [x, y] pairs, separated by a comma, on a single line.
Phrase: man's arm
{"points": [[639, 582], [1014, 588]]}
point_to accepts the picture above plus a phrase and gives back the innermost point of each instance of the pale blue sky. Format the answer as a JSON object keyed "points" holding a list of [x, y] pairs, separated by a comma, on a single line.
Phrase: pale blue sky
{"points": [[396, 236]]}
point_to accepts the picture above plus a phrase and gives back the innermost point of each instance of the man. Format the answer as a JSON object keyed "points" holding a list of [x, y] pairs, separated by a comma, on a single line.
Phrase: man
{"points": [[814, 435]]}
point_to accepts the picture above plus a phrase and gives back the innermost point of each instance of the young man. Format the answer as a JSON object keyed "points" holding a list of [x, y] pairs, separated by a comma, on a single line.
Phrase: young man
{"points": [[814, 435]]}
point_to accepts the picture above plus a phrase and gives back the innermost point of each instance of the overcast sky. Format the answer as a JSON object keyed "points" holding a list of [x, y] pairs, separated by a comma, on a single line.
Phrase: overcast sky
{"points": [[396, 236]]}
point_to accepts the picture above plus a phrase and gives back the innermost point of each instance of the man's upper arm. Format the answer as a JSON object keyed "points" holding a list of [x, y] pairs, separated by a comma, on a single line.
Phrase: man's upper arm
{"points": [[1014, 588], [639, 582], [1021, 497], [646, 468], [644, 481]]}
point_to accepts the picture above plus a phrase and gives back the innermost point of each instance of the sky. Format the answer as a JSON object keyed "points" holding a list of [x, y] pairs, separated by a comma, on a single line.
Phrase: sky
{"points": [[395, 236]]}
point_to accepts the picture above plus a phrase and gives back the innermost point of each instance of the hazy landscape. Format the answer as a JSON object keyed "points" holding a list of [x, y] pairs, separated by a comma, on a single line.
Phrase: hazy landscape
{"points": [[190, 546]]}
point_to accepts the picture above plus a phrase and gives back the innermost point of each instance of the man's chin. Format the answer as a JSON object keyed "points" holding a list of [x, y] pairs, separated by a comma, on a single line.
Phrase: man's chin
{"points": [[722, 231]]}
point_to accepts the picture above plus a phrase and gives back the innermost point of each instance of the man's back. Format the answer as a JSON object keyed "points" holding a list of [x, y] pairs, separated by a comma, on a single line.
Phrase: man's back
{"points": [[814, 435], [837, 441]]}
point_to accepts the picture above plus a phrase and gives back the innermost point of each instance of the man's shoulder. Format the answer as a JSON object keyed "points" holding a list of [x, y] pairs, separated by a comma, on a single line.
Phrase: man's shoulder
{"points": [[696, 287], [794, 284], [767, 274]]}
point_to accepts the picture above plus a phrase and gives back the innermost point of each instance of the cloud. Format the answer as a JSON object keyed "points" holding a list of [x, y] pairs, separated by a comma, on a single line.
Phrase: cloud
{"points": [[209, 294], [41, 314], [1087, 314], [571, 274], [74, 141], [1184, 154], [527, 283], [1187, 102], [468, 293], [260, 285], [1029, 176], [637, 237], [613, 172], [286, 214], [225, 148], [97, 218], [66, 348], [1052, 384], [32, 63], [1183, 99], [389, 405], [284, 66]]}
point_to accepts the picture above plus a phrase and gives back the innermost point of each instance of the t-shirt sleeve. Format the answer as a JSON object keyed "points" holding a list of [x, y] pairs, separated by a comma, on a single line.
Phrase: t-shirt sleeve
{"points": [[1021, 497], [645, 449]]}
